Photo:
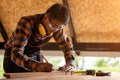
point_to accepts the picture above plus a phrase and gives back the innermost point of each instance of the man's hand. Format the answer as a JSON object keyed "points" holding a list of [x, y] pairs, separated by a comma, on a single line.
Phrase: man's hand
{"points": [[67, 68], [44, 67]]}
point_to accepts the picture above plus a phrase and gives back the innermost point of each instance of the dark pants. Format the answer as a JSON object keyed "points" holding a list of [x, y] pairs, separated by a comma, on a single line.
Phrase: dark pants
{"points": [[11, 67]]}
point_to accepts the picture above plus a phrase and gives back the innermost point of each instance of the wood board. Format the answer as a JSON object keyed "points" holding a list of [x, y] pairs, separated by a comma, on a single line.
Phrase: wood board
{"points": [[34, 74], [57, 76]]}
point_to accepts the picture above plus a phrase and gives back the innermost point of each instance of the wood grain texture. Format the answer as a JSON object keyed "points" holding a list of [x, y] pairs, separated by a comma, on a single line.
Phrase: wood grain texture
{"points": [[58, 76], [11, 11], [93, 20], [33, 74], [96, 20]]}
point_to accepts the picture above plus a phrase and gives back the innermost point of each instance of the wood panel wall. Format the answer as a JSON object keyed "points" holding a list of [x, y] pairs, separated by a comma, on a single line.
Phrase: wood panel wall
{"points": [[96, 20], [93, 20], [12, 10]]}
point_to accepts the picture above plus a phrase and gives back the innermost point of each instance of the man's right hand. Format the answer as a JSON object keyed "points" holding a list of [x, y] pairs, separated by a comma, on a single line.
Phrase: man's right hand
{"points": [[44, 67]]}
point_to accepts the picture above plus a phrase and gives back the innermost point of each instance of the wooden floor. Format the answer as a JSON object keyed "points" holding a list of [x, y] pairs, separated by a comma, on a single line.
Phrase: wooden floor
{"points": [[58, 76]]}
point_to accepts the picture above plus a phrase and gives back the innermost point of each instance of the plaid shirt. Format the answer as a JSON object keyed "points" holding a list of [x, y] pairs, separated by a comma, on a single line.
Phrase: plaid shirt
{"points": [[21, 38]]}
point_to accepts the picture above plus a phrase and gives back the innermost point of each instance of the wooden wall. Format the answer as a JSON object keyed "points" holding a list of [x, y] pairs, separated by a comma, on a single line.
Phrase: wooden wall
{"points": [[96, 20], [93, 20], [12, 10]]}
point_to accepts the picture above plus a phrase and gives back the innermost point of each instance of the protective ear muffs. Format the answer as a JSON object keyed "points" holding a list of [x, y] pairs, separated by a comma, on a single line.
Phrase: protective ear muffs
{"points": [[42, 29]]}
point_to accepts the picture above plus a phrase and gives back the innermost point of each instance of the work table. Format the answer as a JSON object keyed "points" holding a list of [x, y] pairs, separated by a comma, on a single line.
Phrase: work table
{"points": [[57, 76]]}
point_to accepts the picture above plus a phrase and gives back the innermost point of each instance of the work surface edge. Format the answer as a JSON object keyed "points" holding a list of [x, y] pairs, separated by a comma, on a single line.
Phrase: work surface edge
{"points": [[57, 76]]}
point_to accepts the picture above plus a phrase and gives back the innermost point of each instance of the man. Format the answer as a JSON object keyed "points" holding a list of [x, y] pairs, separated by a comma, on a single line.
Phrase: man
{"points": [[22, 51]]}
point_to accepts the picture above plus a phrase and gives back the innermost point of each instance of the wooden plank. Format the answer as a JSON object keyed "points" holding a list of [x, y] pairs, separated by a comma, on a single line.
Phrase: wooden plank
{"points": [[58, 76], [70, 24], [3, 32], [33, 74]]}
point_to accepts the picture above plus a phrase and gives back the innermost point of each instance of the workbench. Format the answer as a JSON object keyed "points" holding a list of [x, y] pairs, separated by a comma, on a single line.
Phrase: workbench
{"points": [[57, 76]]}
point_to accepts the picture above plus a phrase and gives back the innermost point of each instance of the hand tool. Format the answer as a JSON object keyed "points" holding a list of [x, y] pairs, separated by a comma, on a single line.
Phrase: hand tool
{"points": [[87, 72]]}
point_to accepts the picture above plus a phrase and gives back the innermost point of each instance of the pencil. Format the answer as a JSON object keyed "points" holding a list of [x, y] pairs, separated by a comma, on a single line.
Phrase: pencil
{"points": [[44, 58]]}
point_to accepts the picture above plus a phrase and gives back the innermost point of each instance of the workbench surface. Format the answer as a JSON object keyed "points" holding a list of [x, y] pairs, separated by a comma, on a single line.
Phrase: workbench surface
{"points": [[57, 76]]}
